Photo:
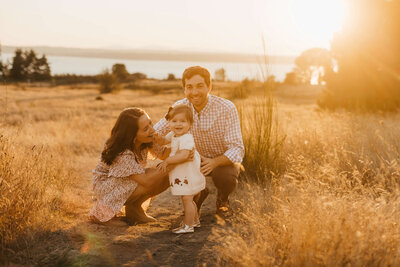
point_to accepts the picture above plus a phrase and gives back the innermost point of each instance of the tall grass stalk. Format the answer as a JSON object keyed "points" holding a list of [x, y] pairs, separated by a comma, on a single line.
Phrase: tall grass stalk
{"points": [[261, 139]]}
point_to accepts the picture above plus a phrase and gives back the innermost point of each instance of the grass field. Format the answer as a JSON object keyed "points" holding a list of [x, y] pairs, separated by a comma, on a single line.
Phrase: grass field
{"points": [[332, 195]]}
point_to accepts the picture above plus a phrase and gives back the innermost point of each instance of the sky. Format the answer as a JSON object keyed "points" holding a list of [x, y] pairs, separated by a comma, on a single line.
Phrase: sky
{"points": [[287, 26]]}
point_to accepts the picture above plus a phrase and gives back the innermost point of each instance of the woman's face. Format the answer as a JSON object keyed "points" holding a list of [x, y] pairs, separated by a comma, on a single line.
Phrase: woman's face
{"points": [[145, 131]]}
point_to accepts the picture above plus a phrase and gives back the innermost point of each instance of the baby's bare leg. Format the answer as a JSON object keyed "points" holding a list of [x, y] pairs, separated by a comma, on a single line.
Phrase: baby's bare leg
{"points": [[190, 210]]}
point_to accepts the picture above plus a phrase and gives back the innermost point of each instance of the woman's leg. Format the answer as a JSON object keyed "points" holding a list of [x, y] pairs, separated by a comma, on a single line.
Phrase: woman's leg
{"points": [[190, 210], [134, 211]]}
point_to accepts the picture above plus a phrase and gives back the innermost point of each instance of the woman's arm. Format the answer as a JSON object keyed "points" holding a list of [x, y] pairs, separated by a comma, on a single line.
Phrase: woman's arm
{"points": [[148, 179], [165, 153]]}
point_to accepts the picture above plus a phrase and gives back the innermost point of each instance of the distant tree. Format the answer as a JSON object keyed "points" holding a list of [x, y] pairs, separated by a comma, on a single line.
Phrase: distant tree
{"points": [[41, 69], [138, 76], [292, 78], [171, 77], [4, 70], [119, 70], [30, 60], [220, 75], [27, 67], [314, 63], [17, 68], [367, 52], [108, 82]]}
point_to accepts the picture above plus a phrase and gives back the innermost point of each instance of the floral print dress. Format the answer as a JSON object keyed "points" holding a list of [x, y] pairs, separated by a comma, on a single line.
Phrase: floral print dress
{"points": [[113, 185]]}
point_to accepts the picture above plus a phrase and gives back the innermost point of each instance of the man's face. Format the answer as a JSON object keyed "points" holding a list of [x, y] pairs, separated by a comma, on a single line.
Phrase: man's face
{"points": [[196, 91]]}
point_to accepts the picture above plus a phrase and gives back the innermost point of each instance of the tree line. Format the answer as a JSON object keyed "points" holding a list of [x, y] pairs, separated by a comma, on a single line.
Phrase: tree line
{"points": [[26, 66]]}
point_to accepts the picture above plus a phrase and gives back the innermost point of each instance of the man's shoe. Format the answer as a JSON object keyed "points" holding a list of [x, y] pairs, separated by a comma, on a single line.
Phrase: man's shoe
{"points": [[222, 206]]}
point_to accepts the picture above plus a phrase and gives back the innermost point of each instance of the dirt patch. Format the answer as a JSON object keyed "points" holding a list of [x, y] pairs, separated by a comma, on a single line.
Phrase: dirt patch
{"points": [[152, 244]]}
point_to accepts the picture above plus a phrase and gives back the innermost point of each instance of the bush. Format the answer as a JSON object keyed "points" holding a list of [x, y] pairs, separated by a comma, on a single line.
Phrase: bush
{"points": [[171, 77], [243, 90], [120, 71], [108, 82]]}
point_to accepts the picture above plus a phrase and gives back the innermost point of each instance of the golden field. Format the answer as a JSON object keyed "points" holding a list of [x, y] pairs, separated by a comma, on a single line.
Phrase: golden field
{"points": [[330, 195]]}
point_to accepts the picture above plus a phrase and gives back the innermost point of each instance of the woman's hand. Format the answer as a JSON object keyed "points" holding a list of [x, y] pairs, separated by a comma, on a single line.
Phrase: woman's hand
{"points": [[163, 167], [159, 139]]}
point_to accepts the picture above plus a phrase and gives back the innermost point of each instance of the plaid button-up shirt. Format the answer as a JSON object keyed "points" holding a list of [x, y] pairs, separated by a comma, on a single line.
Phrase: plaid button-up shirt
{"points": [[216, 129]]}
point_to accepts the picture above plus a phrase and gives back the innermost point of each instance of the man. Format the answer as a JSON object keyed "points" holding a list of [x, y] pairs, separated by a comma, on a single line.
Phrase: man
{"points": [[216, 132]]}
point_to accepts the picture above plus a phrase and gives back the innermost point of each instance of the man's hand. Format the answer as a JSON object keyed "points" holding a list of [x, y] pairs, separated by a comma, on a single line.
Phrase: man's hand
{"points": [[207, 165]]}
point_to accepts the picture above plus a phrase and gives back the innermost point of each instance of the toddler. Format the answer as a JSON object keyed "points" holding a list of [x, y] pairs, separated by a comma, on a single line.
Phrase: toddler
{"points": [[185, 178]]}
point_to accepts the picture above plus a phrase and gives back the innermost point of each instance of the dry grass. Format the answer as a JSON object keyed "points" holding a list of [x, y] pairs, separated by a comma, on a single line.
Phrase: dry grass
{"points": [[337, 203], [334, 200]]}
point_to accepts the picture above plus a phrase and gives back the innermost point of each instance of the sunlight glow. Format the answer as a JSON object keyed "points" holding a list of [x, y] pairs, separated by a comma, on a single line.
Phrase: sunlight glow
{"points": [[318, 19]]}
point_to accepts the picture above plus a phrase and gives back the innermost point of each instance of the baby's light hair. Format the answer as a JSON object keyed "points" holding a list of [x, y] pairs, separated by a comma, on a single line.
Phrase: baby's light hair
{"points": [[178, 109]]}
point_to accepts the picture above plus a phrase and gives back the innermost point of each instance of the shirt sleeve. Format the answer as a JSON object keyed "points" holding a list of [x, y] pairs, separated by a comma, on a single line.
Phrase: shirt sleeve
{"points": [[125, 165], [161, 127], [186, 142], [233, 137]]}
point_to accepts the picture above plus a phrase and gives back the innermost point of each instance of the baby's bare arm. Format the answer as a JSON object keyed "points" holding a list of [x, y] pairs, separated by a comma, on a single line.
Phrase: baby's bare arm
{"points": [[180, 157]]}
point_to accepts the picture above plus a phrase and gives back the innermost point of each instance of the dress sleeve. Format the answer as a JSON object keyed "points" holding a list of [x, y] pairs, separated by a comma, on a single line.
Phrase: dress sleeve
{"points": [[186, 142], [125, 165]]}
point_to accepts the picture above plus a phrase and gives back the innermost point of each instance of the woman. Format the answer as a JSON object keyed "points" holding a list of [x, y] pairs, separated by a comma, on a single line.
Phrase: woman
{"points": [[120, 177]]}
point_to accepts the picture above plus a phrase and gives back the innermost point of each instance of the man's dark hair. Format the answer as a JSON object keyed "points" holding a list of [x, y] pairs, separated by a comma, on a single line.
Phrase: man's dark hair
{"points": [[196, 70]]}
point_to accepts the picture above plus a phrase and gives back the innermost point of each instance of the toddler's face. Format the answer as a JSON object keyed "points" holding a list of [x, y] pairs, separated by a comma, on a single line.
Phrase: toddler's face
{"points": [[179, 124]]}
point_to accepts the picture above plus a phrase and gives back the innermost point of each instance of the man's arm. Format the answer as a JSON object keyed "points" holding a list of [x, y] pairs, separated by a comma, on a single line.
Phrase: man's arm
{"points": [[233, 141], [208, 164], [161, 127]]}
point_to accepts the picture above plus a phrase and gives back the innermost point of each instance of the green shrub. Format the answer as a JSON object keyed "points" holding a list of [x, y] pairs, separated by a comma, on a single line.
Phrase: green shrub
{"points": [[108, 82]]}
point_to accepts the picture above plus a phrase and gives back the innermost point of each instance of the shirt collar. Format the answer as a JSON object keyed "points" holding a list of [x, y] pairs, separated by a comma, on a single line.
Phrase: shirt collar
{"points": [[205, 109]]}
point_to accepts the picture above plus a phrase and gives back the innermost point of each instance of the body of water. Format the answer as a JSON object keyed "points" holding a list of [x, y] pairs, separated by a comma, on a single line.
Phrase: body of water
{"points": [[158, 69]]}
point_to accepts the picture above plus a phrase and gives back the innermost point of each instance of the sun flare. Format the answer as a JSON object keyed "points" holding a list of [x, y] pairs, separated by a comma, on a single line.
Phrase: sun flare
{"points": [[318, 19]]}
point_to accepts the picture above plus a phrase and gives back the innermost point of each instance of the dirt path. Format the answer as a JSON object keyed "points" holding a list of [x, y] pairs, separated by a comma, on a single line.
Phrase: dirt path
{"points": [[152, 244]]}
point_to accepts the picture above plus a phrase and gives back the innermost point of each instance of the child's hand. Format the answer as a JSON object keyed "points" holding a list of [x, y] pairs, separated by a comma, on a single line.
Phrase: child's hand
{"points": [[162, 167]]}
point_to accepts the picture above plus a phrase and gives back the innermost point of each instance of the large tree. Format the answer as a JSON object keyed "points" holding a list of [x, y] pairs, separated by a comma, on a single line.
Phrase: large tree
{"points": [[314, 63], [367, 51]]}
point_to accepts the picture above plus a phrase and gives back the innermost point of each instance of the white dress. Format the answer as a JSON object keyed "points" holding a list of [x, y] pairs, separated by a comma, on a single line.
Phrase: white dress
{"points": [[185, 178]]}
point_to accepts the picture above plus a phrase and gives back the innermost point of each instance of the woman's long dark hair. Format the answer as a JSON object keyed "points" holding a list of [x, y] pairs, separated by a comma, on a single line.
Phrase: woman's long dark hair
{"points": [[122, 134]]}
